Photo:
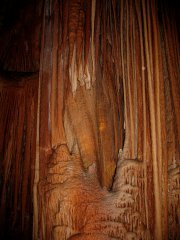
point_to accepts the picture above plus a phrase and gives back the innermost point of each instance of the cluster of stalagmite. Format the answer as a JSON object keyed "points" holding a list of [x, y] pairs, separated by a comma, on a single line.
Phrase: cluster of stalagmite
{"points": [[77, 207]]}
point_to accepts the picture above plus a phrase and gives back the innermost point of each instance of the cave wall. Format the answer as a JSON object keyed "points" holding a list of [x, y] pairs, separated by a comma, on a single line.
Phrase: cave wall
{"points": [[20, 25]]}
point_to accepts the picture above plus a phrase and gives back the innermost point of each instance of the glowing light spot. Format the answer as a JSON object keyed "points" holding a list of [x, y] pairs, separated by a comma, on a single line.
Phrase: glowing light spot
{"points": [[102, 126]]}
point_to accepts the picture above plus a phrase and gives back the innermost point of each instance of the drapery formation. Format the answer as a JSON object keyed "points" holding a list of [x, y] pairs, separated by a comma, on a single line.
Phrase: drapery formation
{"points": [[108, 76], [106, 160], [17, 147]]}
